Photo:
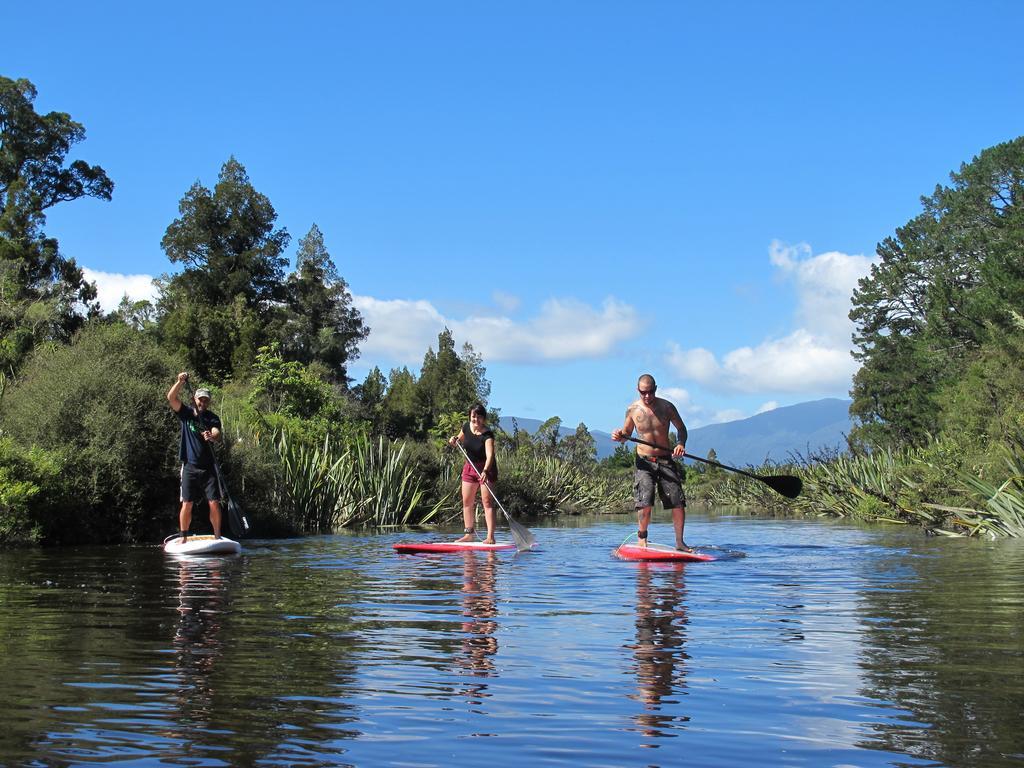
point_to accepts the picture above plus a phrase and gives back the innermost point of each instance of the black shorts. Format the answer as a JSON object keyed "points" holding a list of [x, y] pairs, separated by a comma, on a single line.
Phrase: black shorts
{"points": [[663, 474], [198, 483]]}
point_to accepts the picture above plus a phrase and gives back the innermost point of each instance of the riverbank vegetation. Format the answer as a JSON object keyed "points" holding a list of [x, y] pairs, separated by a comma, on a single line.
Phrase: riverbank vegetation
{"points": [[88, 447]]}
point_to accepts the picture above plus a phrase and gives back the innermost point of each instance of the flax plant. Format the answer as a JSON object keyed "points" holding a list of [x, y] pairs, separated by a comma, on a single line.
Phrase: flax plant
{"points": [[868, 486], [366, 482], [310, 482], [379, 487], [1002, 513], [535, 484]]}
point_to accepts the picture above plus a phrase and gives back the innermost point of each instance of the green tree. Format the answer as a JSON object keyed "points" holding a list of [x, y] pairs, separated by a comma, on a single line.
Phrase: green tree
{"points": [[547, 436], [518, 439], [223, 306], [99, 403], [579, 448], [449, 383], [370, 397], [40, 290], [623, 457], [943, 284], [321, 324], [399, 410], [290, 388], [139, 314]]}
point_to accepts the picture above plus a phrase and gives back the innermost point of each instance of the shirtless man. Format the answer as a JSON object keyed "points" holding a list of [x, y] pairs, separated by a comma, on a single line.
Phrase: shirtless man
{"points": [[651, 417]]}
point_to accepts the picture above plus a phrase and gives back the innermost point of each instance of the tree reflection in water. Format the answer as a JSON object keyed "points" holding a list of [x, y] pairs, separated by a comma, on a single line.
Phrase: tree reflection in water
{"points": [[660, 658]]}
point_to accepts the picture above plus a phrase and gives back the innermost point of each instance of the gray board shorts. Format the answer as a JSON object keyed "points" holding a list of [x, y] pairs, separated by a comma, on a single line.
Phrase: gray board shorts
{"points": [[665, 475]]}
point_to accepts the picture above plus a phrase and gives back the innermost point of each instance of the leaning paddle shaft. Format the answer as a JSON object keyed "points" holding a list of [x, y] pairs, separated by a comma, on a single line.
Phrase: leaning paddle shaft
{"points": [[520, 533], [787, 485]]}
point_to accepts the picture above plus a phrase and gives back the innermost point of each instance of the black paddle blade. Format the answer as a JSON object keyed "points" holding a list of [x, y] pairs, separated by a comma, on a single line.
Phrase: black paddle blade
{"points": [[787, 485], [237, 521]]}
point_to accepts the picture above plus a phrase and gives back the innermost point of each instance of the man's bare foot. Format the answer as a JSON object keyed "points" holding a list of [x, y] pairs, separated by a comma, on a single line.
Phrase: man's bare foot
{"points": [[641, 538], [681, 546], [470, 536], [489, 540]]}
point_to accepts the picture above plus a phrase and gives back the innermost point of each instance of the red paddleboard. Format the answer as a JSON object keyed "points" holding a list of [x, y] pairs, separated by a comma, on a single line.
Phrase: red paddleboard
{"points": [[660, 552], [450, 546]]}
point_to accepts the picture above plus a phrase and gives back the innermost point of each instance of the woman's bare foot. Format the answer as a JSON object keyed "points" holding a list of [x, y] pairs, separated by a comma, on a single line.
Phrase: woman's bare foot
{"points": [[470, 536], [683, 548], [489, 540]]}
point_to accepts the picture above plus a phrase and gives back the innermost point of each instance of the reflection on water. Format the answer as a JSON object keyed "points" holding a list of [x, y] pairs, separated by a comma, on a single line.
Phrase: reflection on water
{"points": [[659, 649], [825, 644], [203, 604], [479, 607], [945, 642]]}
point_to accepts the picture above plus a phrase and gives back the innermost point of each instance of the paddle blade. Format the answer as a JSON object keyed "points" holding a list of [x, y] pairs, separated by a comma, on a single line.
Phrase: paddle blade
{"points": [[787, 485], [237, 521], [520, 534]]}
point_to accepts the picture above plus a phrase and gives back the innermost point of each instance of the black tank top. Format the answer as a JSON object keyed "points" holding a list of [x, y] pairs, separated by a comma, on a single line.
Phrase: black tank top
{"points": [[474, 445]]}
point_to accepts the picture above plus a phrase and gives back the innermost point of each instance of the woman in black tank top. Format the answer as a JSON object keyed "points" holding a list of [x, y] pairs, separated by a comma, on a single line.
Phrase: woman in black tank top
{"points": [[478, 441]]}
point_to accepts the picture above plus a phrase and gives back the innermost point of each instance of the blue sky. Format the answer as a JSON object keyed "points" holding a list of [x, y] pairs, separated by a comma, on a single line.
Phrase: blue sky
{"points": [[585, 191]]}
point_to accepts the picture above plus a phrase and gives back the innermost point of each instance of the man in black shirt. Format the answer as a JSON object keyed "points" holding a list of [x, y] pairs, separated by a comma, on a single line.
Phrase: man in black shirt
{"points": [[200, 427]]}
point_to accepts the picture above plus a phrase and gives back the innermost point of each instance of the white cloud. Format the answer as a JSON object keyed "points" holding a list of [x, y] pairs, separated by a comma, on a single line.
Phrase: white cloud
{"points": [[815, 357], [698, 364], [679, 397], [400, 330], [800, 362], [111, 287], [564, 329], [771, 405], [824, 286]]}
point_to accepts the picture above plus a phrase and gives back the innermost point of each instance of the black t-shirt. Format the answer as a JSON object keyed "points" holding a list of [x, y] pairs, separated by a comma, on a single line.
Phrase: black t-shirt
{"points": [[474, 445], [195, 450]]}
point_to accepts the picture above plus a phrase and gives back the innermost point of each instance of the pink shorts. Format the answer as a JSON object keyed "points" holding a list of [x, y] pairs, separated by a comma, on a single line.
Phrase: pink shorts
{"points": [[469, 474]]}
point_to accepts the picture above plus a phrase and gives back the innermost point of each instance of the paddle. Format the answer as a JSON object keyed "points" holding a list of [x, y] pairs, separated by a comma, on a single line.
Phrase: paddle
{"points": [[520, 533], [787, 485], [237, 522]]}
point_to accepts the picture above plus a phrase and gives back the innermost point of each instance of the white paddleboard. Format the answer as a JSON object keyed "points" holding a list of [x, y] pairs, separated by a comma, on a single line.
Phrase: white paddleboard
{"points": [[202, 545]]}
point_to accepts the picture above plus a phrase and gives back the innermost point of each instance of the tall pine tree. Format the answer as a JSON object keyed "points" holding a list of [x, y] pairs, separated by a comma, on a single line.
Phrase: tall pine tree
{"points": [[321, 325], [222, 307]]}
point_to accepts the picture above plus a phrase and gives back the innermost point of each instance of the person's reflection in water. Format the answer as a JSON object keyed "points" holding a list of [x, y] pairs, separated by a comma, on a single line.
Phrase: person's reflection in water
{"points": [[202, 603], [659, 650], [479, 609]]}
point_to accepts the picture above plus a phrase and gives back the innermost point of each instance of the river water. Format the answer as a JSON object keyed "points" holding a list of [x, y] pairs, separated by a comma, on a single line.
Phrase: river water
{"points": [[808, 643]]}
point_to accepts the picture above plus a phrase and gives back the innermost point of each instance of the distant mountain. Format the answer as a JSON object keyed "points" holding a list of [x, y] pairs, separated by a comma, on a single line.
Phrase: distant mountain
{"points": [[771, 436], [776, 435]]}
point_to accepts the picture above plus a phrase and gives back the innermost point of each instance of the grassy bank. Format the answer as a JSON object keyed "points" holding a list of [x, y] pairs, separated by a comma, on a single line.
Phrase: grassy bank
{"points": [[939, 487]]}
